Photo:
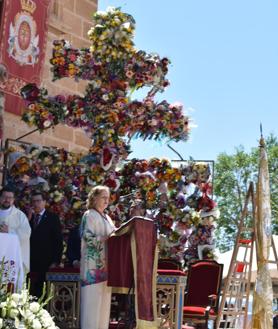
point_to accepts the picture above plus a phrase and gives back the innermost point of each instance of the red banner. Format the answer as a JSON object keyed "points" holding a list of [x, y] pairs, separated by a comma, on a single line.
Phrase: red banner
{"points": [[22, 48]]}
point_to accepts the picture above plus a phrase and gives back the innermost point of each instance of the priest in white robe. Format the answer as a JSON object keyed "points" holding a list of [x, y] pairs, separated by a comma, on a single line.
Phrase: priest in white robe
{"points": [[14, 221]]}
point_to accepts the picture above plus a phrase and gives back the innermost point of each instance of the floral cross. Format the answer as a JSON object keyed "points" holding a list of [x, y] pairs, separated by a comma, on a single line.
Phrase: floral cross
{"points": [[115, 69]]}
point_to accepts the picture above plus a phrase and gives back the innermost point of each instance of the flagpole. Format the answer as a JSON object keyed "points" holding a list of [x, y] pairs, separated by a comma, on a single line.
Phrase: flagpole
{"points": [[262, 317]]}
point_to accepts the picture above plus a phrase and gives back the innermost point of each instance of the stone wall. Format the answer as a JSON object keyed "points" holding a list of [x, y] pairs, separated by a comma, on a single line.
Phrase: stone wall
{"points": [[70, 20]]}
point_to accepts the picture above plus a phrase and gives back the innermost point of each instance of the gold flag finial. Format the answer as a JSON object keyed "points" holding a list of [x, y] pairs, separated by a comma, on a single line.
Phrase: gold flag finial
{"points": [[262, 142]]}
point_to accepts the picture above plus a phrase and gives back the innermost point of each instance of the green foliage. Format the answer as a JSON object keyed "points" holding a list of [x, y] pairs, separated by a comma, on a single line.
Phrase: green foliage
{"points": [[233, 174]]}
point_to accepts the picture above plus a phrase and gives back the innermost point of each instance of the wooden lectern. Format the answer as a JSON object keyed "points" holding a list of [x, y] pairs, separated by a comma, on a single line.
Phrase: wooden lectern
{"points": [[132, 262]]}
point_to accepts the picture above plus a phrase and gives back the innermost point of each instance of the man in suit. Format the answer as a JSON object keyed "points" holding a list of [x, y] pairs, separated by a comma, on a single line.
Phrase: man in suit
{"points": [[46, 242]]}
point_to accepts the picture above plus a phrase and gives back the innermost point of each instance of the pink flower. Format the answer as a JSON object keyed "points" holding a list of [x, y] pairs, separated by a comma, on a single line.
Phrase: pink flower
{"points": [[129, 74], [72, 57]]}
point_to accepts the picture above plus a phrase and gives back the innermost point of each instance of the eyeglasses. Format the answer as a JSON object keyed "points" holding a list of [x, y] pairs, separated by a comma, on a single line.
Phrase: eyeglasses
{"points": [[8, 197]]}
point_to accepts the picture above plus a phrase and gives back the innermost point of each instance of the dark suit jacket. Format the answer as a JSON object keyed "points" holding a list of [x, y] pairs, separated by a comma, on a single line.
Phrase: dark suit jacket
{"points": [[46, 242], [74, 245]]}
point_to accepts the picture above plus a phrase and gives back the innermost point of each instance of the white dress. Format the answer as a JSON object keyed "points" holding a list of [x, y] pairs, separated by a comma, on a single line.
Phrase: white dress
{"points": [[95, 295]]}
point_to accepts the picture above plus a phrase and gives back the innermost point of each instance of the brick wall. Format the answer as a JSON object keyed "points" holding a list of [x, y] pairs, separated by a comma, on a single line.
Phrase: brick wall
{"points": [[70, 20]]}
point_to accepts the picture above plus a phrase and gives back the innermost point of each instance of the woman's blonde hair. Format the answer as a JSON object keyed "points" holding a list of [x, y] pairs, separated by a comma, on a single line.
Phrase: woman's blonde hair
{"points": [[95, 191]]}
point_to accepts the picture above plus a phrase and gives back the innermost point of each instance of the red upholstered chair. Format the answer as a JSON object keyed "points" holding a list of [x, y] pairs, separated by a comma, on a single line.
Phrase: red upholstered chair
{"points": [[202, 292], [169, 264], [169, 267]]}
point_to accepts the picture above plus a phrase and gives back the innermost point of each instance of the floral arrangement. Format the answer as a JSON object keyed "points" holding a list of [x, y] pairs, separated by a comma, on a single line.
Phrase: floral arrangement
{"points": [[164, 191], [115, 69], [62, 174], [112, 35], [21, 310]]}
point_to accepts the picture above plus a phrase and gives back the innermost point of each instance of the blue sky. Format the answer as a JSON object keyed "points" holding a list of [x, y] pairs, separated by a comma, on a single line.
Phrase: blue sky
{"points": [[224, 69]]}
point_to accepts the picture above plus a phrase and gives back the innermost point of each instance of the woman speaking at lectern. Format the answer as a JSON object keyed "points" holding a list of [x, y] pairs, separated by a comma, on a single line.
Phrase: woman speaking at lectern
{"points": [[96, 227]]}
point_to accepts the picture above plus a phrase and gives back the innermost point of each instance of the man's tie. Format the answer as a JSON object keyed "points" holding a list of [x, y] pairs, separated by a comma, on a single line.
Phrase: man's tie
{"points": [[37, 220]]}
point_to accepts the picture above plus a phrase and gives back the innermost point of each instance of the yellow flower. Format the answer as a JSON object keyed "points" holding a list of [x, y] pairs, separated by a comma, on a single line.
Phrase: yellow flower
{"points": [[76, 205], [44, 114], [57, 47], [72, 72], [60, 60]]}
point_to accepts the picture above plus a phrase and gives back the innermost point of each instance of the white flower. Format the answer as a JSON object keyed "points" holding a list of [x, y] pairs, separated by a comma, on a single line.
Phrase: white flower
{"points": [[43, 313], [47, 123], [67, 44], [117, 20], [36, 324], [3, 312], [99, 26], [29, 316], [101, 13], [126, 26], [110, 9], [16, 298], [1, 323], [24, 295], [34, 307], [13, 304], [91, 31], [47, 321], [105, 97], [57, 196], [13, 313]]}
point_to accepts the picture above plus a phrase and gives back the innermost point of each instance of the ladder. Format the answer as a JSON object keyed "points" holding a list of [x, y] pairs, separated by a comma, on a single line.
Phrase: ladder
{"points": [[235, 297], [233, 310]]}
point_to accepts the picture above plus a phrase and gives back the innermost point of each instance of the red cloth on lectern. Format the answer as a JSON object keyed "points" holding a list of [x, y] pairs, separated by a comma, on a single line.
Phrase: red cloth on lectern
{"points": [[120, 261], [22, 47], [120, 268]]}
